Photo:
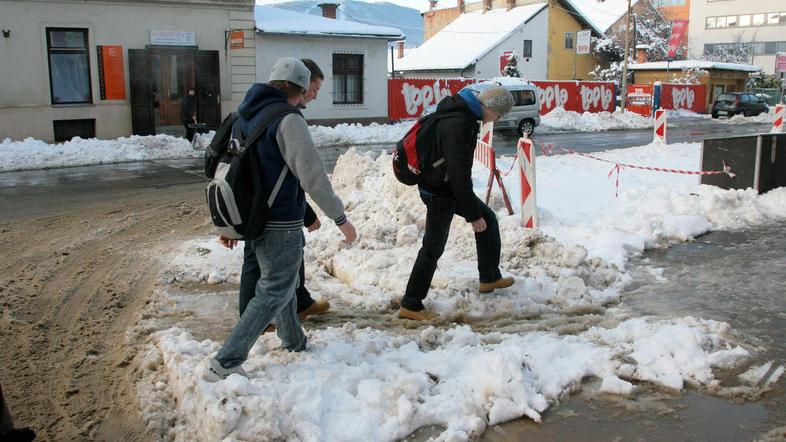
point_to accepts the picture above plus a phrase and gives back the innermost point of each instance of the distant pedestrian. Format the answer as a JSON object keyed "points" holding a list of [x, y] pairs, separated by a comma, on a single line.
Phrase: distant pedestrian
{"points": [[289, 162], [188, 112], [448, 191]]}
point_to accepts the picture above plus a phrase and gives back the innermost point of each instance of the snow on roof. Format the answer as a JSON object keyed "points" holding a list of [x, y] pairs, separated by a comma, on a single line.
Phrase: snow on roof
{"points": [[701, 64], [280, 21], [467, 39], [601, 15]]}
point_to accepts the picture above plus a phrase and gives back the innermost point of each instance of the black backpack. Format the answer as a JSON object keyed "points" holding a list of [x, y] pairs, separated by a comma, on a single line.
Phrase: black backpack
{"points": [[239, 207], [416, 155]]}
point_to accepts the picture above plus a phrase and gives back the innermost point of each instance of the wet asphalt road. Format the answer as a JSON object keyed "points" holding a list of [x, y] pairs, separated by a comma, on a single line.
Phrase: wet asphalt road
{"points": [[736, 277]]}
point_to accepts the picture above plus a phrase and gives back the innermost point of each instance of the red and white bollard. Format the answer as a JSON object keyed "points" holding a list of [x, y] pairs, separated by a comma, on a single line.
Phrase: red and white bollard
{"points": [[529, 207], [660, 127], [780, 114]]}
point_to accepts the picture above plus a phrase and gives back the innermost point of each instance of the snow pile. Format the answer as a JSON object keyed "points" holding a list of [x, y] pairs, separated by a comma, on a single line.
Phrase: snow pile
{"points": [[766, 117], [370, 376], [355, 134], [561, 120], [577, 203], [367, 384], [34, 154]]}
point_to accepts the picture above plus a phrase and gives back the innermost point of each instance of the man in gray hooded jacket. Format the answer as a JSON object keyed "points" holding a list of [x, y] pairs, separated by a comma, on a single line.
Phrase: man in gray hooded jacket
{"points": [[290, 164]]}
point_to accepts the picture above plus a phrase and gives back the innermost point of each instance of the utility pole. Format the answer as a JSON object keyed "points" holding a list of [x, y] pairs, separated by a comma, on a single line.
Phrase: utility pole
{"points": [[625, 61]]}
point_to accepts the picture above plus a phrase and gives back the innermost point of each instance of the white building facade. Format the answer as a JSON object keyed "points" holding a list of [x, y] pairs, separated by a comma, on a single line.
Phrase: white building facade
{"points": [[719, 24], [103, 69], [352, 56]]}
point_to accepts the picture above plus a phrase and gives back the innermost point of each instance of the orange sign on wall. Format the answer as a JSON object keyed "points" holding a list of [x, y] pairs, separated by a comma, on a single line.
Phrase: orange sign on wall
{"points": [[237, 39], [111, 73]]}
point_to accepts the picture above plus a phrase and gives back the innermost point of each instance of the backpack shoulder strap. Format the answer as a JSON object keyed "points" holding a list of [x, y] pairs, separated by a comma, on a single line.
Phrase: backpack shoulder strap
{"points": [[272, 112]]}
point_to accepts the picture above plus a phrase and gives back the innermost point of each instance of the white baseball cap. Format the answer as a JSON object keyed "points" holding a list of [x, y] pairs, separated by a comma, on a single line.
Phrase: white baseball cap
{"points": [[291, 69]]}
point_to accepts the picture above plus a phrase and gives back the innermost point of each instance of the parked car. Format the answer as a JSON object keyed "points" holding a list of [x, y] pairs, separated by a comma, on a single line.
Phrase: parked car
{"points": [[523, 118], [738, 103], [525, 115]]}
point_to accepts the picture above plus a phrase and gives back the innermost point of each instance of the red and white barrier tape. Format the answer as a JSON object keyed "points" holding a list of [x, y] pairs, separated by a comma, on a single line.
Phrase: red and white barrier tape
{"points": [[547, 148]]}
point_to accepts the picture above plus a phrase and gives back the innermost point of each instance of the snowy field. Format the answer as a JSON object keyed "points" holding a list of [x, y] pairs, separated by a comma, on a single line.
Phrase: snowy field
{"points": [[35, 154], [489, 358]]}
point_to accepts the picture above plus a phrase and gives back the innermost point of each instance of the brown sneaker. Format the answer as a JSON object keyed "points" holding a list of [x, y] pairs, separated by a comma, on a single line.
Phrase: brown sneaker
{"points": [[501, 283], [317, 308], [421, 315]]}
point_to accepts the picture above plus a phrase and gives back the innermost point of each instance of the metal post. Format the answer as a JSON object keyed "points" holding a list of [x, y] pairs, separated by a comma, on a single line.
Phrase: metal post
{"points": [[625, 61]]}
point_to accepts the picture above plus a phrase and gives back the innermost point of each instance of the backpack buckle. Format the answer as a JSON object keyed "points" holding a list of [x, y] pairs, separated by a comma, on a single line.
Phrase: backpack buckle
{"points": [[234, 144]]}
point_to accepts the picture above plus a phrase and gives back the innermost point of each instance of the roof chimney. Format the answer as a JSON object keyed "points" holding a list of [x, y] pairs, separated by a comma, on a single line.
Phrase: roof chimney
{"points": [[460, 6], [432, 4], [641, 53], [510, 4], [486, 5], [328, 9], [400, 47]]}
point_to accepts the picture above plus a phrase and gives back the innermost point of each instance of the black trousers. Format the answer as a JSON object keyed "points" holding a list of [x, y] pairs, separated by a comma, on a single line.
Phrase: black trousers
{"points": [[250, 274], [189, 131], [439, 215]]}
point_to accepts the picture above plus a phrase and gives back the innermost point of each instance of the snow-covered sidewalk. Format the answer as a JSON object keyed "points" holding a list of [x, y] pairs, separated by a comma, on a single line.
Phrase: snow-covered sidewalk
{"points": [[489, 358]]}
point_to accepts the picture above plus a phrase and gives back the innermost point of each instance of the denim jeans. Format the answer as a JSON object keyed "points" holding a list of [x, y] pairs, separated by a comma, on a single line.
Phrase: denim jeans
{"points": [[439, 215], [250, 275], [279, 254]]}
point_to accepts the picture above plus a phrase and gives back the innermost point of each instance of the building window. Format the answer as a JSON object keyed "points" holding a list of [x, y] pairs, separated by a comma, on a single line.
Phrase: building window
{"points": [[67, 129], [568, 40], [527, 50], [69, 65], [745, 21], [710, 23], [524, 98], [758, 19], [347, 78]]}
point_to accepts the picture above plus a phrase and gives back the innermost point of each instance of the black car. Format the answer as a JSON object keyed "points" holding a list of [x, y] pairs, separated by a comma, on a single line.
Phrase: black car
{"points": [[738, 103]]}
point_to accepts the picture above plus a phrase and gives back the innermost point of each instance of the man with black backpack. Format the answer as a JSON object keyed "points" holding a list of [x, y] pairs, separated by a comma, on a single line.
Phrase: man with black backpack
{"points": [[306, 305], [290, 166], [450, 134]]}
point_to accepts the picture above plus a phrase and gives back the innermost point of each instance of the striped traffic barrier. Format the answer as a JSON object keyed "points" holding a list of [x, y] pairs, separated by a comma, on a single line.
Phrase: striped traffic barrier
{"points": [[529, 207], [780, 114], [660, 126], [484, 153]]}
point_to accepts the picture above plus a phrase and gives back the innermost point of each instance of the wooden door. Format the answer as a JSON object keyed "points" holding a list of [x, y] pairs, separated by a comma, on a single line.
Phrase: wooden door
{"points": [[173, 73], [208, 82], [142, 114]]}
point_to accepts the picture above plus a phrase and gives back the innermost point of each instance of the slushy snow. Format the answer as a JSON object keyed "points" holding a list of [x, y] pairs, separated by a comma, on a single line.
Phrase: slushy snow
{"points": [[488, 358]]}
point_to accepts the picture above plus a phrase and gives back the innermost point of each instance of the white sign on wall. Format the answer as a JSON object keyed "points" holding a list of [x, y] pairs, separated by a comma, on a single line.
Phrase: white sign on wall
{"points": [[173, 38], [583, 41]]}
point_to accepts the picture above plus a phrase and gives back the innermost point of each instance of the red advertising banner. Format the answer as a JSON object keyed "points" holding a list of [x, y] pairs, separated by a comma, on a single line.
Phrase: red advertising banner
{"points": [[683, 96], [111, 73], [678, 30], [408, 98], [640, 99], [577, 96]]}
